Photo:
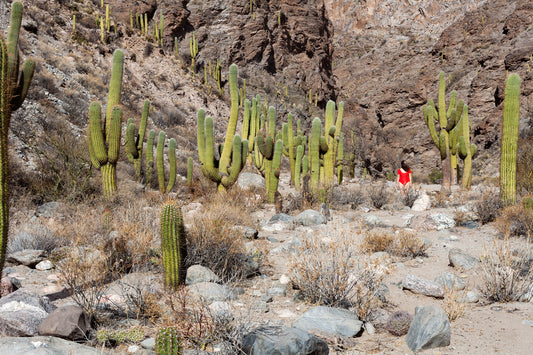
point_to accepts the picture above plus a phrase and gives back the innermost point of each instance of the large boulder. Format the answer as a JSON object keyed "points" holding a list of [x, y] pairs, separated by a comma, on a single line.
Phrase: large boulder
{"points": [[422, 203], [68, 322], [310, 218], [41, 345], [199, 273], [251, 181], [430, 329], [211, 292], [283, 340], [21, 312], [424, 287], [332, 320]]}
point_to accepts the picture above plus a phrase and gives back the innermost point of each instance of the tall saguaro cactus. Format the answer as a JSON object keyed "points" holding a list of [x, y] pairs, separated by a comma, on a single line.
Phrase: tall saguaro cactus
{"points": [[465, 149], [13, 89], [104, 146], [225, 156], [447, 138], [173, 245], [509, 145]]}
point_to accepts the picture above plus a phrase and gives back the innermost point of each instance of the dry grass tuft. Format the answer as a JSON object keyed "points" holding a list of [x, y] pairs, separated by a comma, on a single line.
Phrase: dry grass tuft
{"points": [[516, 221], [440, 199], [379, 194], [454, 303], [328, 271], [404, 244], [488, 205], [506, 272]]}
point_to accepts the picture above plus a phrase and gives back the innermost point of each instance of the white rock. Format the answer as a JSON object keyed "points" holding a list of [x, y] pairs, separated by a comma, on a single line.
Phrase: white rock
{"points": [[44, 265], [284, 280]]}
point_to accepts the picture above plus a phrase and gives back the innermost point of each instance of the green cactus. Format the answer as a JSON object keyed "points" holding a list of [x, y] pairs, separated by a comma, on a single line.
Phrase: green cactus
{"points": [[509, 142], [225, 156], [161, 165], [189, 171], [329, 156], [447, 138], [340, 159], [167, 342], [193, 46], [314, 153], [173, 245], [527, 202], [298, 167], [150, 158], [104, 152], [465, 149], [13, 89], [206, 154], [135, 141]]}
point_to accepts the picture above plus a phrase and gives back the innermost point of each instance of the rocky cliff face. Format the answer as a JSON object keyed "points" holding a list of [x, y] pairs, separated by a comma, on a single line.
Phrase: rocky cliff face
{"points": [[381, 57], [387, 57]]}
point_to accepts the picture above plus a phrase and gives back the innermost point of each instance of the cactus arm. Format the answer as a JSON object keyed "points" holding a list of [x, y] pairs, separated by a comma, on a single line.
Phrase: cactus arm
{"points": [[130, 147], [12, 41], [172, 164], [150, 157], [232, 123], [246, 118], [115, 87], [340, 159], [442, 101], [142, 127], [209, 168], [189, 170], [274, 176], [159, 161], [509, 142], [236, 166], [430, 122], [96, 137], [314, 153], [114, 135], [298, 166], [245, 150], [200, 136], [21, 90]]}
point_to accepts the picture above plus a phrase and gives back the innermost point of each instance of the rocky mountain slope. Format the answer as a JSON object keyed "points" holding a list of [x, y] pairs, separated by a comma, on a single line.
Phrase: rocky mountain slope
{"points": [[381, 57]]}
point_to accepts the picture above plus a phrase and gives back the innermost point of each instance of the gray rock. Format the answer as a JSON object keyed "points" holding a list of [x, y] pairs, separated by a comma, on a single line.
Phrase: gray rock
{"points": [[333, 320], [450, 281], [291, 245], [44, 345], [459, 258], [283, 340], [443, 221], [44, 265], [281, 217], [424, 287], [221, 311], [27, 257], [251, 181], [21, 312], [148, 343], [199, 273], [310, 218], [246, 232], [67, 322], [408, 219], [280, 290], [212, 292], [422, 203], [372, 221], [430, 329], [48, 209], [468, 296]]}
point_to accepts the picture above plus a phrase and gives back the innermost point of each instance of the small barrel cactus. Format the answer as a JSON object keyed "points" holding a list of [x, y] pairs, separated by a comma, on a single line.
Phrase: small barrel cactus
{"points": [[399, 322]]}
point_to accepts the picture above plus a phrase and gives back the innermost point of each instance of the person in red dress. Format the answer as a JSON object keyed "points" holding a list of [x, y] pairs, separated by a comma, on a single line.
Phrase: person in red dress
{"points": [[405, 179]]}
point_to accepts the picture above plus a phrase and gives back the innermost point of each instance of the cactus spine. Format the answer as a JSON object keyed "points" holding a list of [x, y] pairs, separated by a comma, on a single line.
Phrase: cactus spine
{"points": [[104, 147], [13, 89], [173, 245], [509, 143], [135, 141]]}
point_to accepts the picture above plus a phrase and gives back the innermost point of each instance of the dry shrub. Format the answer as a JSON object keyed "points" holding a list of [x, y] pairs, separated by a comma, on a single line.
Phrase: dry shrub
{"points": [[376, 241], [506, 272], [344, 195], [488, 205], [515, 221], [404, 244], [411, 196], [214, 243], [379, 194], [461, 217], [330, 272], [35, 236], [440, 199], [454, 303]]}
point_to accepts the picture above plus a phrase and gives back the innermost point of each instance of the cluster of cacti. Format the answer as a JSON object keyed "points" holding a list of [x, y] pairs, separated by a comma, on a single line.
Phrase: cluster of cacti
{"points": [[14, 86], [291, 145], [135, 140], [509, 142], [167, 342], [447, 138], [117, 337], [104, 145], [173, 245]]}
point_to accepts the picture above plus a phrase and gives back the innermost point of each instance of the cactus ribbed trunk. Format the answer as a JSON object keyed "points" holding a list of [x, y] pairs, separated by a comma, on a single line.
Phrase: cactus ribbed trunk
{"points": [[173, 245], [109, 180], [509, 145]]}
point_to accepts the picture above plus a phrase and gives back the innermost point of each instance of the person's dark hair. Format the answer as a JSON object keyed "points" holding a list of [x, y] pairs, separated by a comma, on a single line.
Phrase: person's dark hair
{"points": [[405, 167]]}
